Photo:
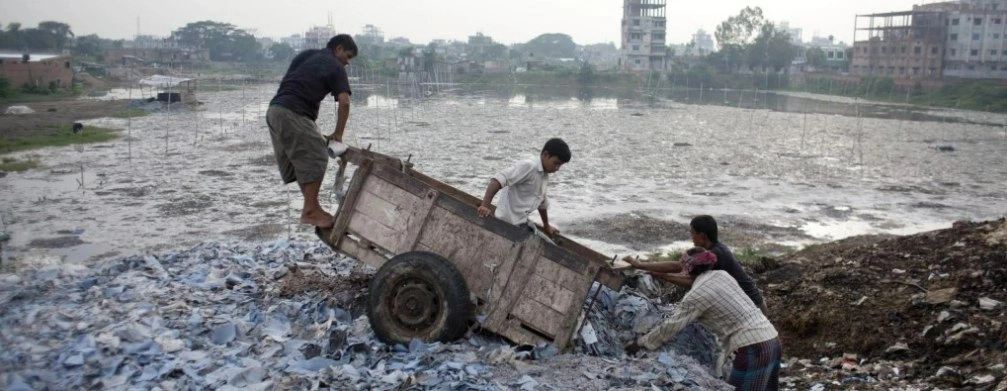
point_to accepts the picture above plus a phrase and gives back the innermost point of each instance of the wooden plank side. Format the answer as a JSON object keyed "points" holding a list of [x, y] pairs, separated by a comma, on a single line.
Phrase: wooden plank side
{"points": [[373, 231], [523, 267], [358, 156], [445, 188], [470, 249], [515, 333], [549, 293], [381, 210], [357, 251], [579, 297], [343, 216], [491, 224], [398, 178], [539, 316], [560, 275], [381, 187], [417, 220], [565, 258], [503, 273]]}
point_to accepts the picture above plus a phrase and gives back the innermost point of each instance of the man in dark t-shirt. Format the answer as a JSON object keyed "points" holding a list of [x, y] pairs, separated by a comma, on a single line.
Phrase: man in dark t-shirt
{"points": [[299, 147], [703, 230]]}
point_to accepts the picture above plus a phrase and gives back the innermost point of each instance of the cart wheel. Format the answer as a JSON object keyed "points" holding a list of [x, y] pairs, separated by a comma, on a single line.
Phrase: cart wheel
{"points": [[418, 295]]}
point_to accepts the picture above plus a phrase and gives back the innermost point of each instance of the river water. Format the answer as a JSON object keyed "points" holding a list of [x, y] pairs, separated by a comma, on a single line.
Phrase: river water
{"points": [[812, 167]]}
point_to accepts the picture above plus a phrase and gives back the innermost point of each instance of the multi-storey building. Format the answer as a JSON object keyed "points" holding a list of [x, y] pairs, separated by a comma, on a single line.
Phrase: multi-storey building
{"points": [[963, 38], [977, 39], [704, 42], [295, 41], [317, 37], [644, 26]]}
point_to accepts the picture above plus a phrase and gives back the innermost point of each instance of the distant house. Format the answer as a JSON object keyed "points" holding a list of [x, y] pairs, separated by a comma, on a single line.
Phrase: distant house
{"points": [[39, 70], [169, 57]]}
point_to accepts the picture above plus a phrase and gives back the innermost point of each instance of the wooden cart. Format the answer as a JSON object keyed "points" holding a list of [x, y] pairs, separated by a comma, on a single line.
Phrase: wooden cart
{"points": [[441, 266]]}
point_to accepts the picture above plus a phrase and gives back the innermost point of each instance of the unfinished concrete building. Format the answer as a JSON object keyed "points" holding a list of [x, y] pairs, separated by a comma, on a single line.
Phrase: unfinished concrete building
{"points": [[644, 26], [906, 44]]}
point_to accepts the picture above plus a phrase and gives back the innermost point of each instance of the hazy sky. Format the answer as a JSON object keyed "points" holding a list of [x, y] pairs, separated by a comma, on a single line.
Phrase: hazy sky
{"points": [[587, 21]]}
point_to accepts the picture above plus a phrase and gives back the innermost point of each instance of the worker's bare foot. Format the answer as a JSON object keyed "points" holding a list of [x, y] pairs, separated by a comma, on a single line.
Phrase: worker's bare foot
{"points": [[320, 219]]}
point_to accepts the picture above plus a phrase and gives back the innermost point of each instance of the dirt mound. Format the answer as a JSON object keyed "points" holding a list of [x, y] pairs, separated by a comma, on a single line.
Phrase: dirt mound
{"points": [[930, 300], [348, 292]]}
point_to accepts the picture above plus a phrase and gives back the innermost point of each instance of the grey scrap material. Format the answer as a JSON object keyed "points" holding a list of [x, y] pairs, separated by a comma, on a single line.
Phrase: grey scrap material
{"points": [[618, 318], [211, 317]]}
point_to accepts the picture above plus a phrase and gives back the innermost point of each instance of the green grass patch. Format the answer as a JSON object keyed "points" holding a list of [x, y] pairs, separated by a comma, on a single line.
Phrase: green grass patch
{"points": [[22, 97], [750, 256], [10, 164], [57, 136], [131, 113], [965, 95]]}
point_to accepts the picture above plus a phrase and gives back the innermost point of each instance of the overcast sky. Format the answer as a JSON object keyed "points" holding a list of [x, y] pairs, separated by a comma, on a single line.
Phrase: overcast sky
{"points": [[512, 21]]}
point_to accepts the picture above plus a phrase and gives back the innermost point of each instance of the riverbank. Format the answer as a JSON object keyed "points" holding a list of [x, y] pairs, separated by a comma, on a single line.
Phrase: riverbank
{"points": [[51, 124]]}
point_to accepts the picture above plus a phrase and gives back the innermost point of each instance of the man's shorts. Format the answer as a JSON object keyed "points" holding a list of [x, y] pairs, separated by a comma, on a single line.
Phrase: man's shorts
{"points": [[298, 146]]}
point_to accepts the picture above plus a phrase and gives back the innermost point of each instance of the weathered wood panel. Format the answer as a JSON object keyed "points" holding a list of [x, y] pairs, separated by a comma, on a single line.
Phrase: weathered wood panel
{"points": [[539, 316], [462, 196], [356, 250], [401, 212], [514, 331], [579, 293], [469, 248], [382, 211], [549, 293], [528, 253], [358, 156], [373, 231], [345, 208], [417, 221], [560, 275]]}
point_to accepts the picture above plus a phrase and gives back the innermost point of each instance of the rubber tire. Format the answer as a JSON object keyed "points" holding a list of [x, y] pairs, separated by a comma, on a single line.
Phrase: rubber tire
{"points": [[440, 279]]}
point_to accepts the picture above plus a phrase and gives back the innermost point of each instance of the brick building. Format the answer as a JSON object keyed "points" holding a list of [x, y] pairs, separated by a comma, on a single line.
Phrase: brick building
{"points": [[37, 70]]}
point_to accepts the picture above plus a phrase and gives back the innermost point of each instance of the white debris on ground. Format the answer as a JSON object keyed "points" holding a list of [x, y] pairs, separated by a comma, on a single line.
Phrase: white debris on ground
{"points": [[212, 317], [18, 110]]}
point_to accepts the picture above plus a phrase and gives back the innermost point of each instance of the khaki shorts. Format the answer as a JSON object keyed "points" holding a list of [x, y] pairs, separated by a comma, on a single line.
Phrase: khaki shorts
{"points": [[299, 147]]}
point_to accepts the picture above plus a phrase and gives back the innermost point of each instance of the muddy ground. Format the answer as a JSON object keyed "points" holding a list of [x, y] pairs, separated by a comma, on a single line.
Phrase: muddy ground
{"points": [[51, 114], [926, 307]]}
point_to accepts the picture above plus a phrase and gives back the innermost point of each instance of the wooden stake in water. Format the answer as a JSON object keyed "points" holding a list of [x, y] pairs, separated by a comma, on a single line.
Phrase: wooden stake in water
{"points": [[167, 129], [80, 183], [129, 124], [195, 139], [860, 141], [804, 131], [906, 116], [242, 102], [220, 99]]}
